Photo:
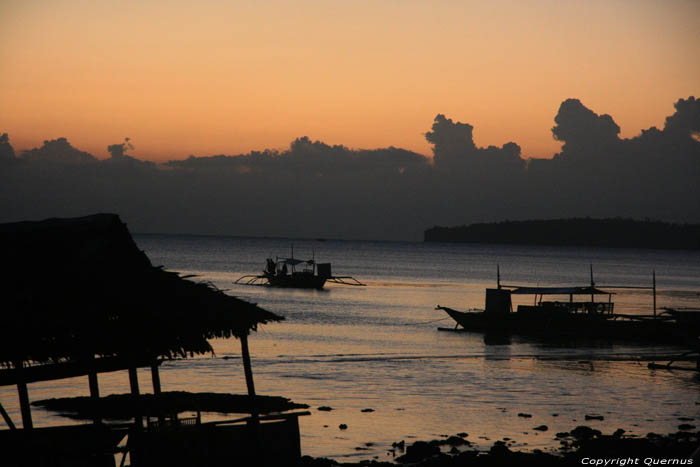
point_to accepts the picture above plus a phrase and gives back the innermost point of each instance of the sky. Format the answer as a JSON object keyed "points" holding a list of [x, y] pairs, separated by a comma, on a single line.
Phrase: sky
{"points": [[227, 77]]}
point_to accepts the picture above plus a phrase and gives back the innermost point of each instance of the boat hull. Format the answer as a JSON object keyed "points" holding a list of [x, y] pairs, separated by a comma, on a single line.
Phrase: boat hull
{"points": [[568, 326], [297, 281]]}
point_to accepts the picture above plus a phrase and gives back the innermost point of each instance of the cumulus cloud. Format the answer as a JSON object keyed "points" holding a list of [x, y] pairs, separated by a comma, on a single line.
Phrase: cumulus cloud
{"points": [[454, 149], [119, 157], [686, 120], [583, 132], [58, 151], [118, 151], [6, 149], [452, 142]]}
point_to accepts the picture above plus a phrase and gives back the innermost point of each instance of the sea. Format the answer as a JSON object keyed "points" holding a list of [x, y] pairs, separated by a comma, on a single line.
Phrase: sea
{"points": [[375, 356]]}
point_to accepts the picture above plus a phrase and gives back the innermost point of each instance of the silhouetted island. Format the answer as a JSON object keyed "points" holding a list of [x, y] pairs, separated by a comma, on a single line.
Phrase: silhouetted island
{"points": [[617, 233]]}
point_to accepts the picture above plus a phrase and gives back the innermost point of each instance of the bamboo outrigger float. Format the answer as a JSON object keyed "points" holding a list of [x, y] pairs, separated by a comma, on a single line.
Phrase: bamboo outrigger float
{"points": [[284, 272], [575, 318]]}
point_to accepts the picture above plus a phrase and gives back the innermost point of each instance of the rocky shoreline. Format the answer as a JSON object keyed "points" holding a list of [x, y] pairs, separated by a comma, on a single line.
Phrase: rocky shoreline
{"points": [[581, 446]]}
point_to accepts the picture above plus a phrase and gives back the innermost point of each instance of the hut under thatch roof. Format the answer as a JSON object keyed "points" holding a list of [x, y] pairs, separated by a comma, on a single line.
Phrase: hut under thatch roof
{"points": [[80, 288], [81, 299]]}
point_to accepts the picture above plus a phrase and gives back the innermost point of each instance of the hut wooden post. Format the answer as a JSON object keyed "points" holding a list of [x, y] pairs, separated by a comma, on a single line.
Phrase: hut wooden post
{"points": [[94, 395], [23, 397], [24, 406], [248, 370], [94, 385], [155, 377], [653, 286], [134, 381], [134, 384], [592, 293]]}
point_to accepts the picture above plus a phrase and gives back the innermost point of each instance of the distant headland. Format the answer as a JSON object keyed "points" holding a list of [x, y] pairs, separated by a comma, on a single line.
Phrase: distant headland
{"points": [[614, 233]]}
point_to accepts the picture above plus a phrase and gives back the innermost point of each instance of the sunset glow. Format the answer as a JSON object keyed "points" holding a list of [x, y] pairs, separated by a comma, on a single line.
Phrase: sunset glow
{"points": [[210, 77]]}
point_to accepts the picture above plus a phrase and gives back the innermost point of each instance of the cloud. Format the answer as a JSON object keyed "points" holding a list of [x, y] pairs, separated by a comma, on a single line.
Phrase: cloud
{"points": [[452, 142], [58, 151], [313, 189], [583, 132], [686, 120], [6, 150], [119, 157], [454, 149], [305, 156], [654, 174], [118, 151]]}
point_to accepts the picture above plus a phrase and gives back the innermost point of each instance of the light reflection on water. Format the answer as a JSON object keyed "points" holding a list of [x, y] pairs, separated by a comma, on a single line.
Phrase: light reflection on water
{"points": [[377, 346]]}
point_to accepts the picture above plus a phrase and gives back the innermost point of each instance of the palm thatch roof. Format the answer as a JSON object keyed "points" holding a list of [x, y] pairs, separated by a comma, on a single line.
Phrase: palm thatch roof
{"points": [[79, 288]]}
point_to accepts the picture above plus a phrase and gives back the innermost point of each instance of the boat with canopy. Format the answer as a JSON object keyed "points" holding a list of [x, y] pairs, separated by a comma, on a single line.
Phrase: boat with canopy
{"points": [[572, 312], [296, 273]]}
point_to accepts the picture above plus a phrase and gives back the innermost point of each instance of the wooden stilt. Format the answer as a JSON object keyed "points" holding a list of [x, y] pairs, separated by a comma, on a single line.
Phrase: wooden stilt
{"points": [[653, 286], [592, 294], [134, 384], [24, 406], [94, 386], [134, 381], [155, 377], [23, 398], [94, 394], [247, 368], [7, 418]]}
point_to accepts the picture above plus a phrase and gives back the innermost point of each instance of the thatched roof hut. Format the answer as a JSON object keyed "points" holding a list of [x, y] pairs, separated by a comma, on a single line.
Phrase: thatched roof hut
{"points": [[80, 288], [80, 298]]}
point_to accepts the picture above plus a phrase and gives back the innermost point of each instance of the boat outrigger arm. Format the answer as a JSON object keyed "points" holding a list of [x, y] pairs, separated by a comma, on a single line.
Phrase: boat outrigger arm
{"points": [[345, 280], [252, 279]]}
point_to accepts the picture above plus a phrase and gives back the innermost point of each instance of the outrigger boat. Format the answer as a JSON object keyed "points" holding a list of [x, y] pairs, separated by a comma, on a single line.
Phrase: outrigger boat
{"points": [[575, 318], [285, 273]]}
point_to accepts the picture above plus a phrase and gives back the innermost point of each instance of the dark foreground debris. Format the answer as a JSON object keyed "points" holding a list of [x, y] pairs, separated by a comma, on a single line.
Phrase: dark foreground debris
{"points": [[126, 406], [581, 443]]}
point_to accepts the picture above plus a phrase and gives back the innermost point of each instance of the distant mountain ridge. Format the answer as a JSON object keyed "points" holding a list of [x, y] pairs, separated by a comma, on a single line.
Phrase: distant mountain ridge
{"points": [[615, 232]]}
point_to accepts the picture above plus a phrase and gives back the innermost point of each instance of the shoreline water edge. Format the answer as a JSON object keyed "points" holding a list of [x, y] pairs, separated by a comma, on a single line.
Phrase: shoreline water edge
{"points": [[378, 346]]}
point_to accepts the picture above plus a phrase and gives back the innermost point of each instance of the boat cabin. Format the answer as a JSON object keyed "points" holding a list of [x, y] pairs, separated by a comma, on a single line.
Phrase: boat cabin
{"points": [[289, 266], [500, 300]]}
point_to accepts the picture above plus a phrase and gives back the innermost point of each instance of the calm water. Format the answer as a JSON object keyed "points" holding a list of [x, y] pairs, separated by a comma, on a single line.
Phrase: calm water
{"points": [[378, 347]]}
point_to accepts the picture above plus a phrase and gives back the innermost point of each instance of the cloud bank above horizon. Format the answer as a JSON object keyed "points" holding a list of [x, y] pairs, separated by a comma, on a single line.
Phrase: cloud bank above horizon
{"points": [[313, 189]]}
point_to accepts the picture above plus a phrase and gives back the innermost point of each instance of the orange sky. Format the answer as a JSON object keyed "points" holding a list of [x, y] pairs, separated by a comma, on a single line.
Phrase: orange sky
{"points": [[212, 77]]}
